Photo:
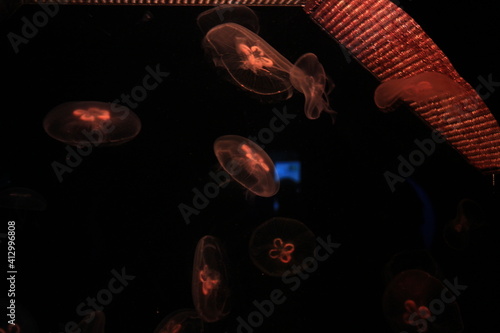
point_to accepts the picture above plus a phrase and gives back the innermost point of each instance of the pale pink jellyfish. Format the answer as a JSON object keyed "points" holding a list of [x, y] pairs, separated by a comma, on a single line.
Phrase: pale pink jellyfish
{"points": [[248, 164], [226, 13], [96, 123], [415, 301], [281, 245], [423, 88], [211, 294], [308, 76], [249, 60], [181, 321]]}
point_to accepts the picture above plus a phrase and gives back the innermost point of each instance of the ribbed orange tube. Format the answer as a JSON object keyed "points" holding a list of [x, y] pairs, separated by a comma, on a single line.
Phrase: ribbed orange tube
{"points": [[391, 45]]}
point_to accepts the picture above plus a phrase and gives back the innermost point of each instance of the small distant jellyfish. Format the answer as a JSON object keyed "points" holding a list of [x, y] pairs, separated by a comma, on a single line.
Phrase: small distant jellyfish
{"points": [[469, 217], [181, 321], [92, 123], [308, 77], [415, 301], [250, 61], [423, 88], [238, 14], [282, 245], [248, 164], [210, 289], [20, 198]]}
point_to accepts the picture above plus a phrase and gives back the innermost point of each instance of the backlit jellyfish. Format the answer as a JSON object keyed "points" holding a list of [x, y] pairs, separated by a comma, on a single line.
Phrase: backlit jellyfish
{"points": [[281, 245], [182, 321], [238, 14], [210, 280], [92, 323], [423, 88], [250, 61], [415, 301], [248, 164], [469, 217], [308, 76], [92, 123]]}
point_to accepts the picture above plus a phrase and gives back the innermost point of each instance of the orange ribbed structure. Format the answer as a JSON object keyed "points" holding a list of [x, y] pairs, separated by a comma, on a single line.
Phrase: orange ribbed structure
{"points": [[391, 45]]}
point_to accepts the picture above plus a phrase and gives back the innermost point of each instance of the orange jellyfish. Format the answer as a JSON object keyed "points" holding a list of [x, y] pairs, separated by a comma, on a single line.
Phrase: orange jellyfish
{"points": [[457, 232], [238, 14], [249, 60], [181, 321], [248, 164], [415, 301], [211, 294], [423, 88], [308, 76], [92, 123], [281, 245]]}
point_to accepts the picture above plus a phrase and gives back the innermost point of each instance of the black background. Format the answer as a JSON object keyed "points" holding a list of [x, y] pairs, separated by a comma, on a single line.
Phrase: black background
{"points": [[119, 206]]}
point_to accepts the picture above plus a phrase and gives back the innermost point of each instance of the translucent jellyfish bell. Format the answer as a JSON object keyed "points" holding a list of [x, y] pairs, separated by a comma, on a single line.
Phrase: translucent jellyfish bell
{"points": [[281, 245], [308, 76], [250, 61], [238, 14], [414, 301], [422, 88], [181, 321], [96, 123], [248, 164], [210, 280]]}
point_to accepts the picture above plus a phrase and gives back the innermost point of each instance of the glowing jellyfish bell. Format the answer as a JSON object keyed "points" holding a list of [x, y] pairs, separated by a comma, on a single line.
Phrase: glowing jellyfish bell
{"points": [[210, 289], [415, 301], [281, 246], [249, 60], [181, 321], [226, 13], [308, 76], [248, 164], [425, 87], [92, 123]]}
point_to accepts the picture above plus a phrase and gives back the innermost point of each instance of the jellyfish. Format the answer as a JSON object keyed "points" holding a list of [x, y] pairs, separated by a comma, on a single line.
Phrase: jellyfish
{"points": [[92, 323], [238, 14], [411, 259], [181, 321], [422, 88], [308, 76], [415, 301], [20, 198], [211, 294], [248, 164], [92, 123], [251, 62], [281, 245], [457, 232]]}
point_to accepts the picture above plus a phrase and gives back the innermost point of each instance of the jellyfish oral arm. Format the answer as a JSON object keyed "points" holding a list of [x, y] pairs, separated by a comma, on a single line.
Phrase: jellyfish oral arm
{"points": [[254, 58], [281, 251]]}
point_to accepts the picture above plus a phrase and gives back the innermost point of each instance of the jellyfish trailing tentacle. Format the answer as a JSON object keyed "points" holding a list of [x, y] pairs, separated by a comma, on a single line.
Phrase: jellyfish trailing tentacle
{"points": [[308, 76]]}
